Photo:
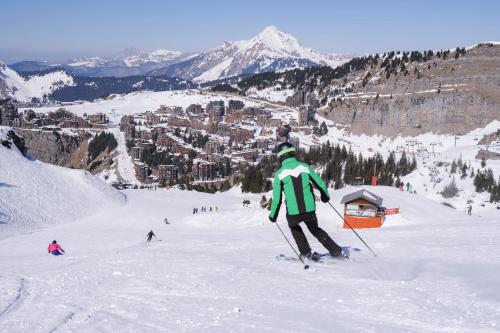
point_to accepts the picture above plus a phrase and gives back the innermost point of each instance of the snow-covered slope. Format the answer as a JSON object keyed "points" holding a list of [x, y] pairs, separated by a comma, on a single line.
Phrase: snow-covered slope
{"points": [[36, 86], [270, 50], [436, 271], [272, 94], [118, 105], [34, 194]]}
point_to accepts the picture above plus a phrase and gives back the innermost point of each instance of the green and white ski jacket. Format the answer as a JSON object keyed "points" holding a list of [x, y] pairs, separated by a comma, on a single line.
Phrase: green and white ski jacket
{"points": [[294, 179]]}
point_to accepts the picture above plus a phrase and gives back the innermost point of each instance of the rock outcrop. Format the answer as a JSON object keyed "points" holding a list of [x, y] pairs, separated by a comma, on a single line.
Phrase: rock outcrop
{"points": [[52, 147], [65, 149], [452, 95]]}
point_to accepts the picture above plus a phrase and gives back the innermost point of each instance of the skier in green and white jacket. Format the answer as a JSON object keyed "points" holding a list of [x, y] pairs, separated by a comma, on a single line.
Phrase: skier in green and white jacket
{"points": [[294, 178]]}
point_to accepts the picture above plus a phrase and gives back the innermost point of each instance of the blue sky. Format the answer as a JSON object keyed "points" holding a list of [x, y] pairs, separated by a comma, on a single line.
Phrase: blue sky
{"points": [[56, 29]]}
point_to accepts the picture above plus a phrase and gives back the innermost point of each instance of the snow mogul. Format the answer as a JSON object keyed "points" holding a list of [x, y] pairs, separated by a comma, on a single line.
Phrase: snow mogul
{"points": [[55, 249], [294, 178]]}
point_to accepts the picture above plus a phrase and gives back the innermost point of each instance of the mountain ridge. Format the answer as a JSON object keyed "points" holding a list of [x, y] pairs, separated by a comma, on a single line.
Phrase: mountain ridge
{"points": [[271, 49], [59, 84]]}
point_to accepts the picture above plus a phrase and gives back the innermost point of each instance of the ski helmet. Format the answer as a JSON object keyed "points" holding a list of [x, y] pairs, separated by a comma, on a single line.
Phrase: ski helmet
{"points": [[285, 150]]}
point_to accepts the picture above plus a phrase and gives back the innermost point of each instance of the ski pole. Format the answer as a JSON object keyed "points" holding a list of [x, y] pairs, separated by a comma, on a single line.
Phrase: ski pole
{"points": [[336, 211], [298, 256]]}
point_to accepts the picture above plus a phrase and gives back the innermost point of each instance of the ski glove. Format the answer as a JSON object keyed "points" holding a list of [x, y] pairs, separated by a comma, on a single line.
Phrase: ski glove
{"points": [[272, 219], [324, 197]]}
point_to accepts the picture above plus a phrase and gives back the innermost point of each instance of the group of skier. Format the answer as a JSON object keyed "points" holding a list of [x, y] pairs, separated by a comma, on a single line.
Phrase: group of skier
{"points": [[204, 209], [409, 188]]}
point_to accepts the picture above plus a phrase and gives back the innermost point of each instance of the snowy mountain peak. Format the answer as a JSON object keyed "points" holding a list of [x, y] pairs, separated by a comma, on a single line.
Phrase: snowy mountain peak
{"points": [[275, 39], [270, 50]]}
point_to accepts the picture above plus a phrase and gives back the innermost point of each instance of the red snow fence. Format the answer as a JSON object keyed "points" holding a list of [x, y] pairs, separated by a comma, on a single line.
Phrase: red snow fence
{"points": [[391, 211]]}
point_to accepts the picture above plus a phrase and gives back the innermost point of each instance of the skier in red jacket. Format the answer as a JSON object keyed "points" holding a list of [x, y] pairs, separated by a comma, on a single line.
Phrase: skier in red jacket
{"points": [[55, 249]]}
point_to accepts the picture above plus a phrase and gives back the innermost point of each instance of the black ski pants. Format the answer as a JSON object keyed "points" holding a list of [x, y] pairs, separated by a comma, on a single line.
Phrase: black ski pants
{"points": [[311, 222]]}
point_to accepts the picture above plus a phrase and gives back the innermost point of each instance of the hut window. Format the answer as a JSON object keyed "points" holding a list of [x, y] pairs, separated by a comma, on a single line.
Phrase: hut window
{"points": [[363, 210]]}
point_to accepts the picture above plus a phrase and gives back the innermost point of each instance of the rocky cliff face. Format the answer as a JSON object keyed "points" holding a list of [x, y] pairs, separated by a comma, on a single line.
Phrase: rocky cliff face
{"points": [[54, 147], [65, 150], [453, 95]]}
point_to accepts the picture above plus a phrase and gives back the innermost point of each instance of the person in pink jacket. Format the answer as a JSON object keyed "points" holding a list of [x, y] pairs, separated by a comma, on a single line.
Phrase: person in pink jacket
{"points": [[55, 249]]}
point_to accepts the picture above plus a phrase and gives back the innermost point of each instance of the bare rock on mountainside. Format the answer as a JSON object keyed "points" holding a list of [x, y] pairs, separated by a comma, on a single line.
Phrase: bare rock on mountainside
{"points": [[71, 151], [490, 138], [452, 94], [484, 154], [51, 146]]}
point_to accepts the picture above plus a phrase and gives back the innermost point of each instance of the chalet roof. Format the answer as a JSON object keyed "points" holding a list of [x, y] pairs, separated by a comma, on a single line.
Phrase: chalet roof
{"points": [[363, 194]]}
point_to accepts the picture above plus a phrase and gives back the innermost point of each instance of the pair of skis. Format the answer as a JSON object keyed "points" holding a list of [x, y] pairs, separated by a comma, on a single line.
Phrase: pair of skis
{"points": [[322, 258]]}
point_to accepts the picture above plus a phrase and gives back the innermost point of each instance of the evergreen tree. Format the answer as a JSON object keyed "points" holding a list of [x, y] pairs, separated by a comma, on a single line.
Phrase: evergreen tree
{"points": [[323, 130], [403, 167], [101, 142], [450, 190], [464, 171], [453, 167]]}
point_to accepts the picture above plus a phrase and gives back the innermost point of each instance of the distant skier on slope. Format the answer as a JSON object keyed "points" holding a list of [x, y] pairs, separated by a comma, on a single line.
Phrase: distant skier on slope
{"points": [[150, 236], [469, 209], [55, 248], [294, 179]]}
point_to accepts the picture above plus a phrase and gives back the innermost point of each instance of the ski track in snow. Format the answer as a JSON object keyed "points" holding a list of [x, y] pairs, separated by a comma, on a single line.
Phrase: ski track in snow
{"points": [[217, 272], [17, 301], [63, 322], [125, 167]]}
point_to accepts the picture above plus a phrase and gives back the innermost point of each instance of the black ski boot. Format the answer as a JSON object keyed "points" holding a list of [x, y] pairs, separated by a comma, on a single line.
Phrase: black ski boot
{"points": [[311, 256], [341, 254]]}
